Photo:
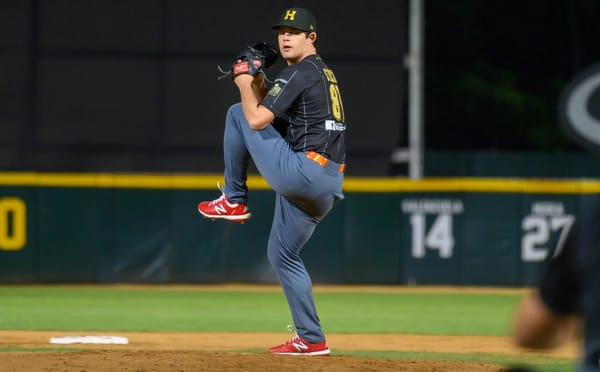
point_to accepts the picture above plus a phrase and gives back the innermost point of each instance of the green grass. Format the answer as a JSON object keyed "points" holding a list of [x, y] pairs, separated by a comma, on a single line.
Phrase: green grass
{"points": [[420, 313], [60, 308], [209, 310], [105, 308]]}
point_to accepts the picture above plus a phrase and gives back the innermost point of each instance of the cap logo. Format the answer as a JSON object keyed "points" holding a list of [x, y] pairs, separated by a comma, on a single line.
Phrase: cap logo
{"points": [[289, 15]]}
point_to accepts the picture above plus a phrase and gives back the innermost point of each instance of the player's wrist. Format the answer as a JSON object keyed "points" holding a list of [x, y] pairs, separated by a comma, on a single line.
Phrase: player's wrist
{"points": [[243, 79]]}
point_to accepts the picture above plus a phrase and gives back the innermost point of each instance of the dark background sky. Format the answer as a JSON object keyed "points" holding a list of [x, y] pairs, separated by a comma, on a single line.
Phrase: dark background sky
{"points": [[131, 85], [495, 70]]}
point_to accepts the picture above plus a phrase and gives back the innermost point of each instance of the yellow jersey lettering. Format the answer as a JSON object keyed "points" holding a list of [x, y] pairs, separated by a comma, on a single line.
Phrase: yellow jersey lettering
{"points": [[329, 75]]}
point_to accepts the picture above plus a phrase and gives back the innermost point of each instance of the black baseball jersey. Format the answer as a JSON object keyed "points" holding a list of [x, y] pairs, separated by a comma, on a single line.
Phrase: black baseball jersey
{"points": [[306, 96], [571, 280]]}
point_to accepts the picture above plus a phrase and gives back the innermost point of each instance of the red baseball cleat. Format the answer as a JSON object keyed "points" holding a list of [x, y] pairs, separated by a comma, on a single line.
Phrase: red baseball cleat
{"points": [[222, 208], [299, 346]]}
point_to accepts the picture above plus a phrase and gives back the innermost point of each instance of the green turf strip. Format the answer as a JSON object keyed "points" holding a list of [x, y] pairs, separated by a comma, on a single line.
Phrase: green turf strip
{"points": [[419, 313], [117, 309], [161, 309]]}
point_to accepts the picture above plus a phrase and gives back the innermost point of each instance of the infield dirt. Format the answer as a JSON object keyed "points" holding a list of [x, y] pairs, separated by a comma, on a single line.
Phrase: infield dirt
{"points": [[238, 352]]}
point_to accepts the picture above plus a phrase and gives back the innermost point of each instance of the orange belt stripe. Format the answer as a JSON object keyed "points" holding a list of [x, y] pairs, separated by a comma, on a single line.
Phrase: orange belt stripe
{"points": [[321, 160]]}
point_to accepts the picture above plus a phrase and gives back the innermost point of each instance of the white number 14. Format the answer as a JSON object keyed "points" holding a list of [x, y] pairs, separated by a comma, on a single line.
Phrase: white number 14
{"points": [[438, 238]]}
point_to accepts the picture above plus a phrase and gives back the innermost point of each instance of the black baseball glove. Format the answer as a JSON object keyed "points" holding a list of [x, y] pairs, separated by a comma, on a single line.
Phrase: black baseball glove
{"points": [[253, 59]]}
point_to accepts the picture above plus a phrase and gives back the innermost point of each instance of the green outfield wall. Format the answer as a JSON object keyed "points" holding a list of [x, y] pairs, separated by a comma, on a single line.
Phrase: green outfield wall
{"points": [[144, 228]]}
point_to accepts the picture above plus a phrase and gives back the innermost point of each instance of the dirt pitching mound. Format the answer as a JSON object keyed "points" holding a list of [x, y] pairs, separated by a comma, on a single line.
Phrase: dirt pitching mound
{"points": [[238, 351]]}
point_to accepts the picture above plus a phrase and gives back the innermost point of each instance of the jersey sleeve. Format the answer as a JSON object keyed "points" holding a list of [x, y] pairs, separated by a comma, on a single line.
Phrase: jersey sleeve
{"points": [[560, 286], [288, 86]]}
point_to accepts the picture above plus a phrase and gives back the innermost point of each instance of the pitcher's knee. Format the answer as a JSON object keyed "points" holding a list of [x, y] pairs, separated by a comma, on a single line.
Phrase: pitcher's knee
{"points": [[235, 110], [274, 256], [279, 257]]}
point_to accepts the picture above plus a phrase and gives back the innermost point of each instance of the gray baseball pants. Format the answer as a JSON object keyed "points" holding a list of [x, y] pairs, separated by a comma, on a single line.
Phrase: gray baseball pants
{"points": [[305, 193]]}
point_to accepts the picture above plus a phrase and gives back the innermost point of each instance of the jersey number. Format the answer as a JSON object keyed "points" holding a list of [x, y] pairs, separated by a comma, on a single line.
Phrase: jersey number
{"points": [[336, 103], [336, 98]]}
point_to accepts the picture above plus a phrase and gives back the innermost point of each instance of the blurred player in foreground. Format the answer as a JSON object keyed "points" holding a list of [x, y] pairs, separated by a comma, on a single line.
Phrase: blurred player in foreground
{"points": [[567, 298]]}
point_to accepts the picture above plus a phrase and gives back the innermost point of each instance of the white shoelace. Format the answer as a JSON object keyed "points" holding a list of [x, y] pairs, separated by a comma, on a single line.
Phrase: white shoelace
{"points": [[221, 187], [292, 328], [217, 201]]}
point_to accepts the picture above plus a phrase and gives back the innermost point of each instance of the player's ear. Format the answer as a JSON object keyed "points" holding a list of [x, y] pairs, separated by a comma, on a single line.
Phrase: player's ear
{"points": [[312, 36]]}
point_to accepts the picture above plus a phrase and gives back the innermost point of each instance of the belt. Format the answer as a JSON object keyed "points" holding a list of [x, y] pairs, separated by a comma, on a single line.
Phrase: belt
{"points": [[322, 160]]}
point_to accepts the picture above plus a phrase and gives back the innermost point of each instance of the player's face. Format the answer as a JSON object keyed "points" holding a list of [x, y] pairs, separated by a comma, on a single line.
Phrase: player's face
{"points": [[295, 44]]}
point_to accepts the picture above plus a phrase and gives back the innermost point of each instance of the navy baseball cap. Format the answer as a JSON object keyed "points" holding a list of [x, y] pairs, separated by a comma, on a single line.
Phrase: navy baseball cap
{"points": [[298, 18]]}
